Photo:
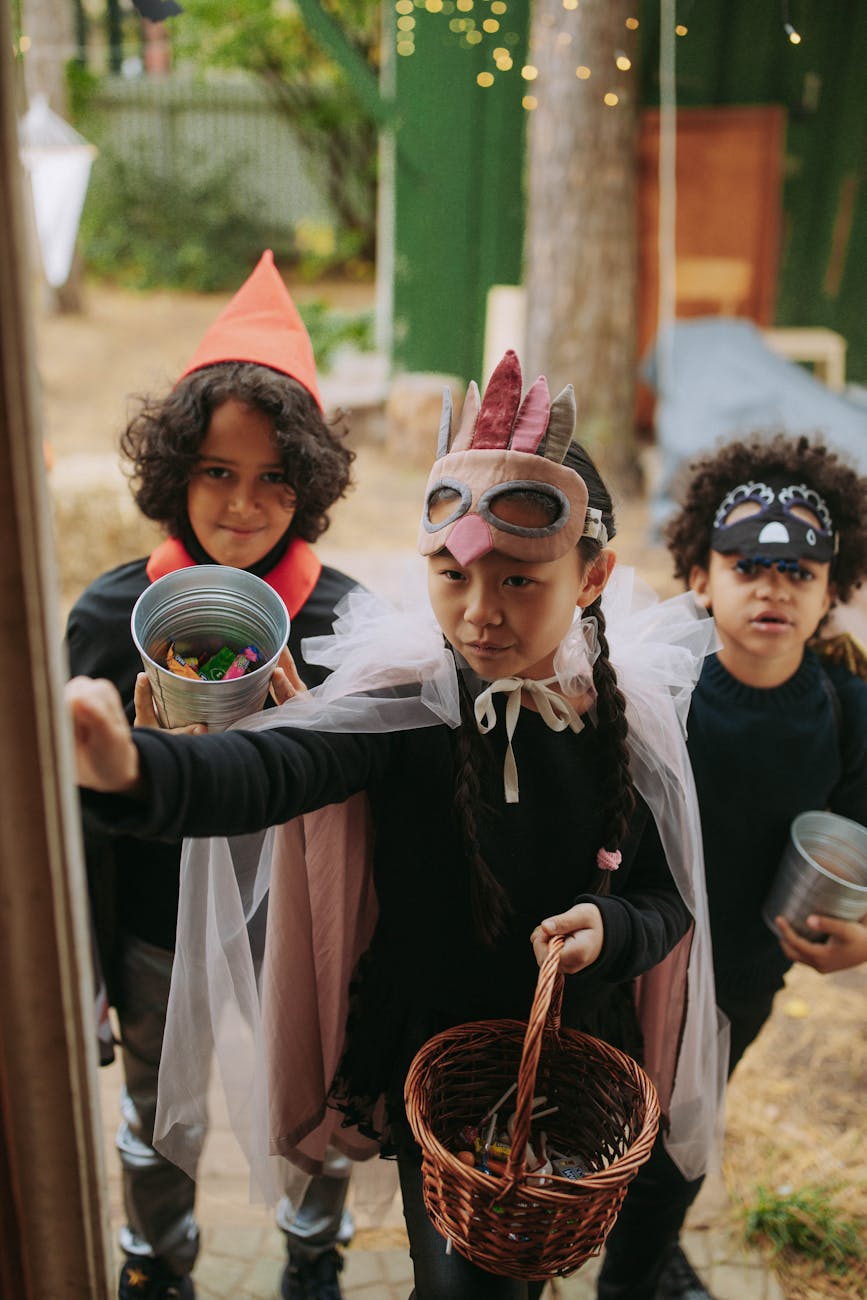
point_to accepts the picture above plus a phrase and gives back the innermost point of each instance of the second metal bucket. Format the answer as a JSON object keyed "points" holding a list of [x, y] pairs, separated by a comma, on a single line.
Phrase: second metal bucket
{"points": [[823, 870], [200, 604]]}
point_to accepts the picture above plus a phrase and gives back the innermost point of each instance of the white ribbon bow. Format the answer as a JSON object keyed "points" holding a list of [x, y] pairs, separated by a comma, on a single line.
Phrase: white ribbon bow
{"points": [[556, 712]]}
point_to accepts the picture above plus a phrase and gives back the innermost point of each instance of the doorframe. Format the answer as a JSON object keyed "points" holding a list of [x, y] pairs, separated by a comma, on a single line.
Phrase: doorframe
{"points": [[54, 1223]]}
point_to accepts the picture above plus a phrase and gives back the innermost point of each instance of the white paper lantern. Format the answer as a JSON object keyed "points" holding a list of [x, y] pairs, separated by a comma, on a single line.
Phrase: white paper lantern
{"points": [[58, 161]]}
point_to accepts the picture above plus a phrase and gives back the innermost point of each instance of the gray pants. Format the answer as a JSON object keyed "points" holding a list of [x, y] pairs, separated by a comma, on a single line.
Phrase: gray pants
{"points": [[159, 1198]]}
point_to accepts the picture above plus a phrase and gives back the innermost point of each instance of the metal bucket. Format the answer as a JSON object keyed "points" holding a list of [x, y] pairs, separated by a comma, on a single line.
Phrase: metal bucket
{"points": [[823, 870], [216, 604]]}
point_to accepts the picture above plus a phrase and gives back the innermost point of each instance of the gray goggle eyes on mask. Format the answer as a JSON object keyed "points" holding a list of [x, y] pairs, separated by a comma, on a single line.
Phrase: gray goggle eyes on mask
{"points": [[541, 509], [774, 531]]}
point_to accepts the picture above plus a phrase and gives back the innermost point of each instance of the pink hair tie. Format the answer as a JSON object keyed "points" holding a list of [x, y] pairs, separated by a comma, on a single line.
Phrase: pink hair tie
{"points": [[606, 860]]}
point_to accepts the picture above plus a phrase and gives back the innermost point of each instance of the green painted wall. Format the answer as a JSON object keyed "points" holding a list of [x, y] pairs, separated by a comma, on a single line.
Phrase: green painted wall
{"points": [[459, 197], [459, 206], [736, 52]]}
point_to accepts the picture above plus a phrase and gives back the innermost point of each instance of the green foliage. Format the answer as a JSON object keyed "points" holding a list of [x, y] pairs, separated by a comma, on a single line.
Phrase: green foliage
{"points": [[330, 330], [269, 39], [144, 230], [805, 1220], [81, 84]]}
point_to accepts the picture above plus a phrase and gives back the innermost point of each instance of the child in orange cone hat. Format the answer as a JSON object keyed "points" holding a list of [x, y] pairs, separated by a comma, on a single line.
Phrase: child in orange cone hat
{"points": [[237, 463]]}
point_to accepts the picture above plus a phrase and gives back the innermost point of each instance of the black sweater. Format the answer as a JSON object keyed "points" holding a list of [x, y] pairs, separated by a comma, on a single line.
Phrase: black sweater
{"points": [[760, 757], [426, 969], [134, 881]]}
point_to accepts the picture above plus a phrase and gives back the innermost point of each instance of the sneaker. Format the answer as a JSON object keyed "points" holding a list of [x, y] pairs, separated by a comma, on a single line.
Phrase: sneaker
{"points": [[312, 1279], [679, 1280], [144, 1278]]}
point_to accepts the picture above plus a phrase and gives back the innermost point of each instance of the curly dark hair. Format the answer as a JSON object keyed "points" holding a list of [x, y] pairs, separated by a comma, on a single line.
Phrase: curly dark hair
{"points": [[161, 443], [799, 459]]}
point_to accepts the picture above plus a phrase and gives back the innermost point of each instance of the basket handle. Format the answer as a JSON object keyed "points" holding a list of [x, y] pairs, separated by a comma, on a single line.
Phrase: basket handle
{"points": [[544, 1014]]}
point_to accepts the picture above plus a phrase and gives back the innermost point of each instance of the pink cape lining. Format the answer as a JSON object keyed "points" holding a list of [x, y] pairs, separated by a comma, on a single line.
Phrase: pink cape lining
{"points": [[320, 921]]}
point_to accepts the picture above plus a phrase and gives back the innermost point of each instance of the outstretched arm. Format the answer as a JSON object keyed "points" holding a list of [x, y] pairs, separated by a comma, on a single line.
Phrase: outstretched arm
{"points": [[846, 945], [105, 757]]}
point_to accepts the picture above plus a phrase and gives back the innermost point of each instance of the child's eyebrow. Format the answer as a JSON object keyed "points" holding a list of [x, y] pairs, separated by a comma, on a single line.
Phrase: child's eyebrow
{"points": [[223, 460]]}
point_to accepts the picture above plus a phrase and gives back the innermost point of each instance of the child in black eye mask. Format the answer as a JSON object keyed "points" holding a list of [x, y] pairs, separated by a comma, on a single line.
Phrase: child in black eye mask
{"points": [[770, 534]]}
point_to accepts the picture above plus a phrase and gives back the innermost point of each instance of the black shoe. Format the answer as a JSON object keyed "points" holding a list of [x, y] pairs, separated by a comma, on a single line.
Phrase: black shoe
{"points": [[143, 1278], [679, 1280], [312, 1279]]}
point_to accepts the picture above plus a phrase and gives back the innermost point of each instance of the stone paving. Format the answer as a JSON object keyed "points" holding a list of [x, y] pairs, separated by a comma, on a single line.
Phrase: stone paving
{"points": [[243, 1253]]}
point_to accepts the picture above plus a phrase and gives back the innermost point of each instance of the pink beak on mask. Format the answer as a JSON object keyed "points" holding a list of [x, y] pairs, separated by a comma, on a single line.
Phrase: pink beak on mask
{"points": [[470, 539]]}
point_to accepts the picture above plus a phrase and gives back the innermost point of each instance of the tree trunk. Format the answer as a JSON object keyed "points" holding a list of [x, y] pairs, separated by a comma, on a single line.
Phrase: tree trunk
{"points": [[581, 258]]}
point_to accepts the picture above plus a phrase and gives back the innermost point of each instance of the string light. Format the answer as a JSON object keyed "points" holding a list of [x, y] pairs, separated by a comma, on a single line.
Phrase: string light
{"points": [[471, 35], [788, 26], [681, 29], [529, 102], [610, 98]]}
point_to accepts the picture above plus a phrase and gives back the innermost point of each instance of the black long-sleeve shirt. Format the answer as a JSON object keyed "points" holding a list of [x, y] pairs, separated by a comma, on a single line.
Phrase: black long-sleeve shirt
{"points": [[760, 757], [426, 968]]}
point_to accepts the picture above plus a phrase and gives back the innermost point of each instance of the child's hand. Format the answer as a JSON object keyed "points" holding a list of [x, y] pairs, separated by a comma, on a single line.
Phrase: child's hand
{"points": [[146, 715], [846, 946], [105, 757], [285, 682], [583, 932]]}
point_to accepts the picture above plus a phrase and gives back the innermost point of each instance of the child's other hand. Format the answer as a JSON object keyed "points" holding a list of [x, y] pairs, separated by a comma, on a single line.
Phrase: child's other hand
{"points": [[583, 932], [285, 683], [146, 715], [105, 757], [846, 946]]}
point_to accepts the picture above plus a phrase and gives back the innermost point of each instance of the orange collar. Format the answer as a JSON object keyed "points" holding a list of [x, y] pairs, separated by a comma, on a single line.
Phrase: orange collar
{"points": [[293, 577]]}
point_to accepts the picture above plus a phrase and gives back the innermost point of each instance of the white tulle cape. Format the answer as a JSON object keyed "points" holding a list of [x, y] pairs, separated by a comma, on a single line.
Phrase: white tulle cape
{"points": [[267, 1002]]}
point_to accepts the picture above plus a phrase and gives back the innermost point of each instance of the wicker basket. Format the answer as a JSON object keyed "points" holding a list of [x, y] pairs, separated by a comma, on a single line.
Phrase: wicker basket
{"points": [[607, 1115]]}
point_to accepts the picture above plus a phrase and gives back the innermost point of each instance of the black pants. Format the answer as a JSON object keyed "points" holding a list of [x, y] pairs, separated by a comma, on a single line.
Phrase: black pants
{"points": [[439, 1276], [655, 1207]]}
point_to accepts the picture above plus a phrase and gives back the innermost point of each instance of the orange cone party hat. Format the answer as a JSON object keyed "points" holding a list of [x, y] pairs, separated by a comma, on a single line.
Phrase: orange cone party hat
{"points": [[261, 324]]}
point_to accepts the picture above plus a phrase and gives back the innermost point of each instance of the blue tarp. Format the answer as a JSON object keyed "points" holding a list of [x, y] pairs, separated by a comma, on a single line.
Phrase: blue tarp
{"points": [[719, 380]]}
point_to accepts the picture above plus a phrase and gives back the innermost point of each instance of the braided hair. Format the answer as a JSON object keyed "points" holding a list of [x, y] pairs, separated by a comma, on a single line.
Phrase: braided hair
{"points": [[489, 902], [490, 906], [610, 704]]}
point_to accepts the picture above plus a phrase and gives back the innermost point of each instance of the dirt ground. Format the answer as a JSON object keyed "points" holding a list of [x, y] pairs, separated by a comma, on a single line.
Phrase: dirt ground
{"points": [[796, 1114]]}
